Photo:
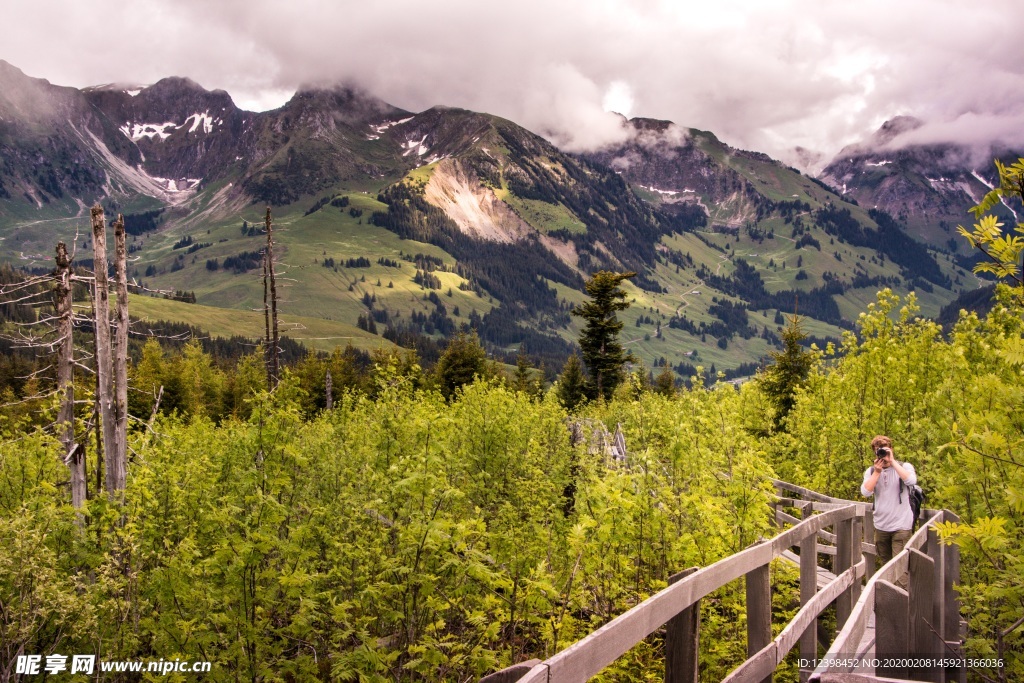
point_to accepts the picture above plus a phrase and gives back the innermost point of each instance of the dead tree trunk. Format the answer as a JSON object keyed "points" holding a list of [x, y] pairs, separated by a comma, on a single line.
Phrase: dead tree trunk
{"points": [[104, 381], [96, 405], [121, 355], [266, 322], [275, 351], [328, 391], [73, 455]]}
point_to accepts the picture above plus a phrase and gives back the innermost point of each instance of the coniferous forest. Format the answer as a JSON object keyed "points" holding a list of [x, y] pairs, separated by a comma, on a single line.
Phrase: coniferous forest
{"points": [[400, 522]]}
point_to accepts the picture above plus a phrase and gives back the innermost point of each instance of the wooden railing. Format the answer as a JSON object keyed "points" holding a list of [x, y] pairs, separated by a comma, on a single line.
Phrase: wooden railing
{"points": [[933, 571], [921, 620]]}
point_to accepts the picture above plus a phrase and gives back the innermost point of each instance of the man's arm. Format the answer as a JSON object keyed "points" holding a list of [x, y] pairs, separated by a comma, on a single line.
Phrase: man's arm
{"points": [[906, 472], [867, 489]]}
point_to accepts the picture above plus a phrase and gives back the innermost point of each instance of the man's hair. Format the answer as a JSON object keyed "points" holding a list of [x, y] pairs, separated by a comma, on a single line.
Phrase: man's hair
{"points": [[880, 441]]}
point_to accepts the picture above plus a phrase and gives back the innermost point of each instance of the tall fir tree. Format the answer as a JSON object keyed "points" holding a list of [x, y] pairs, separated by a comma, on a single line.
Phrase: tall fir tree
{"points": [[463, 360], [599, 340], [665, 382], [572, 383], [788, 370]]}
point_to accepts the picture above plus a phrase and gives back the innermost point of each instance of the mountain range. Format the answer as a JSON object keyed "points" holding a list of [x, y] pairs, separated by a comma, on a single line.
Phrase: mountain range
{"points": [[405, 227], [927, 187]]}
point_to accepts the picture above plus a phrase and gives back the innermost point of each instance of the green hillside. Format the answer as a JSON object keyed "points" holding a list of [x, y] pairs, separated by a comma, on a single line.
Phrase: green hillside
{"points": [[426, 224], [313, 332]]}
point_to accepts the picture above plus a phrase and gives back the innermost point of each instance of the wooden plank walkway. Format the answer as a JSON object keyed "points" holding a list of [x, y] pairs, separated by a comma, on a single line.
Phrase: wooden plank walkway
{"points": [[902, 621], [825, 577], [866, 648]]}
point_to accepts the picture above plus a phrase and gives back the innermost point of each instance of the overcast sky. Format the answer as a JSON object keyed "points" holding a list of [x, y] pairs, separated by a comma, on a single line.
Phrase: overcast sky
{"points": [[765, 74]]}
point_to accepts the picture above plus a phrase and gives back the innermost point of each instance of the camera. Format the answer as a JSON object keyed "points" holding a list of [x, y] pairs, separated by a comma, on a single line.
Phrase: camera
{"points": [[882, 451]]}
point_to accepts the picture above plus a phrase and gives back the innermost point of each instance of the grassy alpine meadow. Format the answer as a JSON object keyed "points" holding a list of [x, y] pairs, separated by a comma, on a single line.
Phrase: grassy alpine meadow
{"points": [[315, 333], [318, 276]]}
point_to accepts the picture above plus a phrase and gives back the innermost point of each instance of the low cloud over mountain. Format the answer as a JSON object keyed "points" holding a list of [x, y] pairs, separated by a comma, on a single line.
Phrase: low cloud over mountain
{"points": [[766, 77]]}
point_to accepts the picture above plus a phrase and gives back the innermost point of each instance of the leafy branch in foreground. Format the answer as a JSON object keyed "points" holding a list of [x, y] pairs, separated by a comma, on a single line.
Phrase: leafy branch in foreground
{"points": [[1003, 250]]}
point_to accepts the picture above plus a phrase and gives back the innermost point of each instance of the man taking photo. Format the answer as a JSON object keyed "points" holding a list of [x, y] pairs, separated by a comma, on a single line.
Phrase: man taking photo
{"points": [[894, 516]]}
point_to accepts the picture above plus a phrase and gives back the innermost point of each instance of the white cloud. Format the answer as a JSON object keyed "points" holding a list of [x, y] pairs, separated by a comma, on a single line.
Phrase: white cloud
{"points": [[618, 98], [765, 74]]}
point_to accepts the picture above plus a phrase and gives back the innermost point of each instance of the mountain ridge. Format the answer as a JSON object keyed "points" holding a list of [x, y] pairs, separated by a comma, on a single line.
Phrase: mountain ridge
{"points": [[507, 225], [929, 187]]}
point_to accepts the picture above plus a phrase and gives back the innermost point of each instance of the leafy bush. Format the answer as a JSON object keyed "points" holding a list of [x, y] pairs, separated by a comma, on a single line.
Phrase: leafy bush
{"points": [[397, 536]]}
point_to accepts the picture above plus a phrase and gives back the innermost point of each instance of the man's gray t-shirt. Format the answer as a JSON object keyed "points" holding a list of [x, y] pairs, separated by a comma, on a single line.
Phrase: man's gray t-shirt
{"points": [[892, 510]]}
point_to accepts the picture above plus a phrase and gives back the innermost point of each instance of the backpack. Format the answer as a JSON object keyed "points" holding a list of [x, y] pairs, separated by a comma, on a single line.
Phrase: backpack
{"points": [[916, 498]]}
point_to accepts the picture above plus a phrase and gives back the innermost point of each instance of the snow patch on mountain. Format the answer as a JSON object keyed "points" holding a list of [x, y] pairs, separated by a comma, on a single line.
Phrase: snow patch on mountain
{"points": [[880, 163], [990, 186], [180, 185], [982, 180], [135, 177], [669, 193], [381, 127], [418, 145], [204, 120], [137, 131]]}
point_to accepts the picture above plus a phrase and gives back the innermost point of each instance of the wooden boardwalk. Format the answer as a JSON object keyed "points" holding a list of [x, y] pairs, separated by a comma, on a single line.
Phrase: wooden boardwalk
{"points": [[865, 650], [825, 577], [876, 618]]}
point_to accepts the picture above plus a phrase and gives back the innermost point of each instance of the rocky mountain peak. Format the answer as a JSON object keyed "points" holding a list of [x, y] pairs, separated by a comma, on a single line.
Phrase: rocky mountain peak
{"points": [[929, 187], [515, 212], [341, 103], [34, 100], [184, 95], [895, 127], [652, 125], [8, 71]]}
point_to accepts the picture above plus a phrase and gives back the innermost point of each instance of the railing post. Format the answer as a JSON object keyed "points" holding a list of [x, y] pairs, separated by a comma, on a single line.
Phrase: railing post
{"points": [[759, 611], [869, 537], [938, 618], [856, 555], [844, 558], [808, 587], [921, 583], [682, 640], [951, 601], [892, 612]]}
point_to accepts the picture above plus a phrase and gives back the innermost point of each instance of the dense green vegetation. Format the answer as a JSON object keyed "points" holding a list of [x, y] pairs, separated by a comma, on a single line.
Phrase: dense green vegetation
{"points": [[429, 526], [395, 536], [954, 407], [403, 536]]}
